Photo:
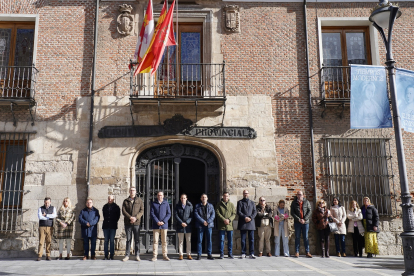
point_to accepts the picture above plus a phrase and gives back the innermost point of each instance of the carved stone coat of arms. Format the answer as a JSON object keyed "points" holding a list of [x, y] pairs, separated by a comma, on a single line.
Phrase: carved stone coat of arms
{"points": [[125, 21], [231, 18]]}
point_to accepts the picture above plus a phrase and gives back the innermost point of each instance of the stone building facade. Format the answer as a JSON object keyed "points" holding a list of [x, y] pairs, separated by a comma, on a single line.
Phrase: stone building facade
{"points": [[261, 89]]}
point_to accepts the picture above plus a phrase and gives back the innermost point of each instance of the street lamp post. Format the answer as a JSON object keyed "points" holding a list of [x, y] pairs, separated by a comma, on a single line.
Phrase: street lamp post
{"points": [[382, 17]]}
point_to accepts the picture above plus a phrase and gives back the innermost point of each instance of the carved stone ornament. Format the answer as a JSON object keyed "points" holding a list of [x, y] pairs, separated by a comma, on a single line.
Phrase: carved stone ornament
{"points": [[125, 20], [231, 18]]}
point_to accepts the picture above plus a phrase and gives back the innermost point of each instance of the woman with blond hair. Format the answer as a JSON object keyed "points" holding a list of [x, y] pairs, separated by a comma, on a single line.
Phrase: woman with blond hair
{"points": [[65, 219], [355, 227], [371, 220], [320, 219], [281, 229]]}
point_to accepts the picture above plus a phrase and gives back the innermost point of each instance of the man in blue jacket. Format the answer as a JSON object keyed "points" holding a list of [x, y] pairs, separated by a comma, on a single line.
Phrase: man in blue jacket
{"points": [[88, 219], [160, 214], [204, 215]]}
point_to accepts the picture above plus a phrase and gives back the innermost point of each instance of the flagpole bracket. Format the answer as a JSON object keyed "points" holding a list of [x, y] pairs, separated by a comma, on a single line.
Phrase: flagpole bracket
{"points": [[224, 113], [32, 116], [12, 104], [323, 111], [132, 115], [341, 115]]}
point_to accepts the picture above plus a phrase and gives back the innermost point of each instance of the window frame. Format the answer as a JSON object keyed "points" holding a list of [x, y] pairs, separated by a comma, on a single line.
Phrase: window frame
{"points": [[343, 30], [3, 161], [375, 40], [14, 25]]}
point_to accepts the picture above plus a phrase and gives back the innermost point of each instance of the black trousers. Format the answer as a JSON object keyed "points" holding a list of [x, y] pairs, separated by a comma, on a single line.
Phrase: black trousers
{"points": [[324, 239], [132, 229], [358, 241]]}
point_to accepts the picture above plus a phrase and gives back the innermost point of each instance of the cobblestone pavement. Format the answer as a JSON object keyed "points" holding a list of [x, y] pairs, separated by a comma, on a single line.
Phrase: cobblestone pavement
{"points": [[381, 265]]}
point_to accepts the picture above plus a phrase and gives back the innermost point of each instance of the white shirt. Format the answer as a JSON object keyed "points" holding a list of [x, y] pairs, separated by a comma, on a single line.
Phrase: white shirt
{"points": [[48, 216]]}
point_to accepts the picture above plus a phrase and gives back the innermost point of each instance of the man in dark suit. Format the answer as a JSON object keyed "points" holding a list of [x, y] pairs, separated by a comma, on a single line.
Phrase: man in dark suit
{"points": [[246, 209], [204, 215]]}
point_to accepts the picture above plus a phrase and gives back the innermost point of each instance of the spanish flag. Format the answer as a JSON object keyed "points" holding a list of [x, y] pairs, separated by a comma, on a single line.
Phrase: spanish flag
{"points": [[163, 36]]}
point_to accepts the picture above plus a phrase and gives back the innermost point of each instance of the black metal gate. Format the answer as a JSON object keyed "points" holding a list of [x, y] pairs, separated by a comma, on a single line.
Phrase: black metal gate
{"points": [[157, 169]]}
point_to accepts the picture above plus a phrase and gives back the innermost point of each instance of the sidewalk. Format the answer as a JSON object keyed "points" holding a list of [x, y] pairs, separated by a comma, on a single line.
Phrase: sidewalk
{"points": [[381, 265]]}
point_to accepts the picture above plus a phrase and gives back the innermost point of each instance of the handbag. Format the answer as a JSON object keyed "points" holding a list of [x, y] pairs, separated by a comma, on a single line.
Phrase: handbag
{"points": [[333, 227]]}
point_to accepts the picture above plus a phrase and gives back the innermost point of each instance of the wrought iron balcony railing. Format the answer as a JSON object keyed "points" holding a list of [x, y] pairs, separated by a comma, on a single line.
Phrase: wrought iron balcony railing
{"points": [[336, 84], [18, 82], [182, 81]]}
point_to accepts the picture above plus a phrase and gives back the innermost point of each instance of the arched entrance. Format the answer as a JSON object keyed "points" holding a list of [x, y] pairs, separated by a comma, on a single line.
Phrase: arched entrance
{"points": [[175, 169]]}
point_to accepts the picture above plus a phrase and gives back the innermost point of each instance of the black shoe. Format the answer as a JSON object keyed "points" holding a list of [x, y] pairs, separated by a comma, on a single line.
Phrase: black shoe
{"points": [[106, 258], [231, 256], [221, 256], [369, 255], [210, 257], [198, 257], [111, 257]]}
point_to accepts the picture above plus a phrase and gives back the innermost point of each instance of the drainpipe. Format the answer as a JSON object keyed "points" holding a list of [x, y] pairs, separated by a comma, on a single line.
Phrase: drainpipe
{"points": [[95, 42], [315, 193]]}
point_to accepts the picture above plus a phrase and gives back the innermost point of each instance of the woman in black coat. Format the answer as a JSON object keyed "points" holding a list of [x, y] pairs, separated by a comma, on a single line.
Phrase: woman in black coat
{"points": [[371, 220], [183, 217]]}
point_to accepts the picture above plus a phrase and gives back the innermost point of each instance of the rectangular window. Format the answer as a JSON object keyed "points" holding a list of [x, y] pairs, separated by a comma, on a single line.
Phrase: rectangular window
{"points": [[359, 168], [13, 151], [186, 76], [16, 58], [342, 46]]}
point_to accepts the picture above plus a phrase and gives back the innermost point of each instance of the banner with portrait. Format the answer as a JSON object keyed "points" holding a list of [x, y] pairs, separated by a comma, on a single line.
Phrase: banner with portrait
{"points": [[405, 98], [370, 106]]}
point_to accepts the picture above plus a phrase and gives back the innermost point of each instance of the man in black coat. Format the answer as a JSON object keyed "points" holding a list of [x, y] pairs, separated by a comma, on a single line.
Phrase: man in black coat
{"points": [[246, 209], [183, 217], [111, 213]]}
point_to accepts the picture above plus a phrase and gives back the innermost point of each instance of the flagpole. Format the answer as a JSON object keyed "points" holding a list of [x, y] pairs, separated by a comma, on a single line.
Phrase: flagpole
{"points": [[176, 50], [168, 64]]}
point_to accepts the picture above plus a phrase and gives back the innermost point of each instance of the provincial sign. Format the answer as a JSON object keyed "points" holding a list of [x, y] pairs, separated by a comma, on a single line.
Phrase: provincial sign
{"points": [[177, 125]]}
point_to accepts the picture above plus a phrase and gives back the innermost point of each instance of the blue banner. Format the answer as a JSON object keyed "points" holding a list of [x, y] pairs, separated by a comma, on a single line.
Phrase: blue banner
{"points": [[405, 98], [370, 106]]}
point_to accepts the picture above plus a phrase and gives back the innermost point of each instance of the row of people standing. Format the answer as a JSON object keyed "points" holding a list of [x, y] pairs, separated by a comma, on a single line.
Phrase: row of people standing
{"points": [[251, 217], [363, 225]]}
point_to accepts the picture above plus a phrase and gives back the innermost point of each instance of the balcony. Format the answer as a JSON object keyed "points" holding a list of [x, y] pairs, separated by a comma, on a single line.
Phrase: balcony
{"points": [[17, 85], [200, 84], [336, 85]]}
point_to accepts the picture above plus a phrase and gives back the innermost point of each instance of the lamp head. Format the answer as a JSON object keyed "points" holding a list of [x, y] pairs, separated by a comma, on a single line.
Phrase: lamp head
{"points": [[381, 13]]}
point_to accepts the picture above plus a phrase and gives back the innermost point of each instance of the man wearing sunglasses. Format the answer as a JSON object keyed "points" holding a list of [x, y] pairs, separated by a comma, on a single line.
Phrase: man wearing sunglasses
{"points": [[264, 224]]}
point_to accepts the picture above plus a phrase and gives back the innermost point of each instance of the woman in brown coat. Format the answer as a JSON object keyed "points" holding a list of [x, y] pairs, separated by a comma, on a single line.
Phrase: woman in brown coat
{"points": [[65, 218], [320, 219]]}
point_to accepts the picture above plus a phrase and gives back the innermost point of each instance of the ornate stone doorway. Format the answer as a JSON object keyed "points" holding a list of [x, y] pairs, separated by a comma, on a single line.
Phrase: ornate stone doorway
{"points": [[175, 169]]}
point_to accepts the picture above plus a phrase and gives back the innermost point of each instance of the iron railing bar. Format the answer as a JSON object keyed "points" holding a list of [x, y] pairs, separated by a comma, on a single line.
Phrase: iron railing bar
{"points": [[2, 155], [378, 168]]}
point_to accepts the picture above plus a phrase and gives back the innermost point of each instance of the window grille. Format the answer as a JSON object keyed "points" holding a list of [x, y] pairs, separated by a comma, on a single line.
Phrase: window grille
{"points": [[13, 152], [359, 168]]}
